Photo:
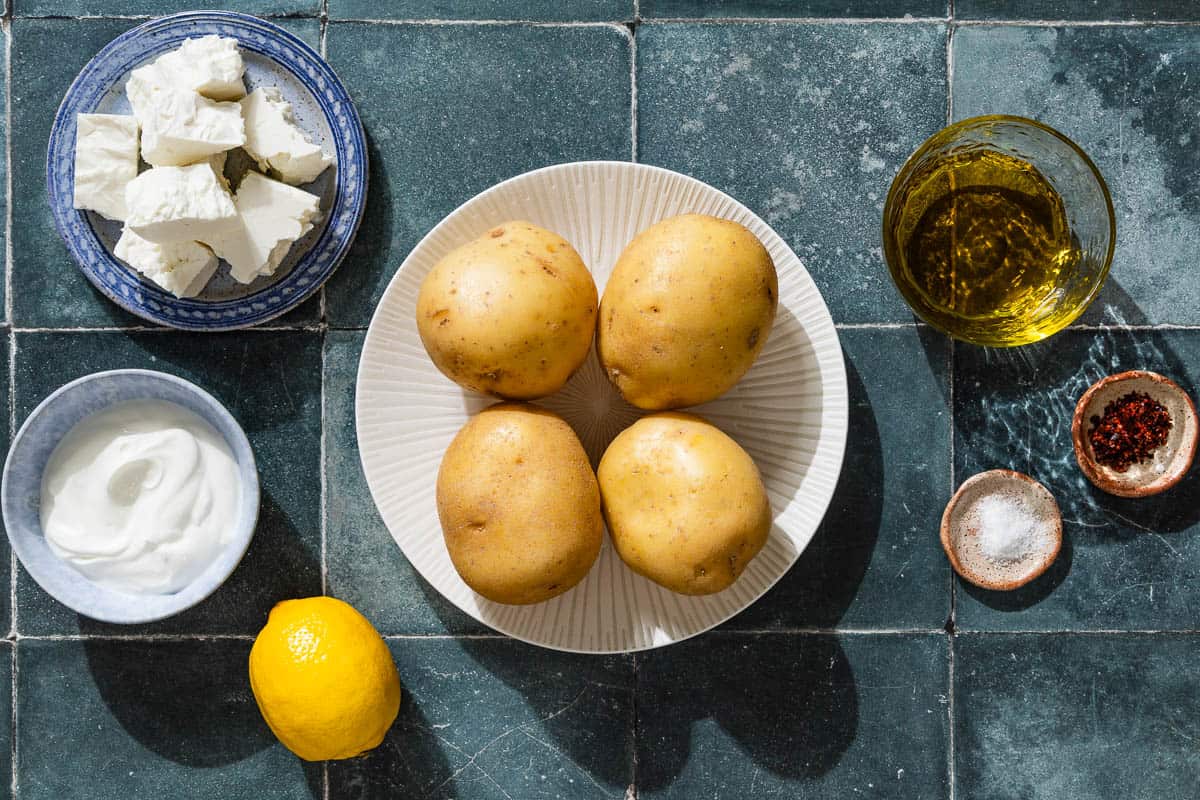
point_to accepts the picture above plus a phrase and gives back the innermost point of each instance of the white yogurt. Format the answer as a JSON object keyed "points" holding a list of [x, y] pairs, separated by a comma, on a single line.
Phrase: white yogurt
{"points": [[140, 497]]}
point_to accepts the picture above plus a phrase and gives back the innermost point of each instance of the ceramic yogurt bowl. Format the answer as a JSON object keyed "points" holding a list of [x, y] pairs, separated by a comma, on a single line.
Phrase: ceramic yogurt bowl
{"points": [[20, 492]]}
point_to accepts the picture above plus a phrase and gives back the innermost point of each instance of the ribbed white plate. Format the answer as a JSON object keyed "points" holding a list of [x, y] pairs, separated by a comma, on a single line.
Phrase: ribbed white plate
{"points": [[789, 412]]}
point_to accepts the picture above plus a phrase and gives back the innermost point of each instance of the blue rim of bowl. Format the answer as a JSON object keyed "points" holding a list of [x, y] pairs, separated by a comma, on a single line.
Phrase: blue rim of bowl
{"points": [[255, 488], [120, 283]]}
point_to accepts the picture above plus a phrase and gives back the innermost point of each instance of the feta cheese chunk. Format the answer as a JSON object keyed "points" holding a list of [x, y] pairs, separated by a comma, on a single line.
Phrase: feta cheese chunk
{"points": [[209, 65], [275, 141], [180, 127], [106, 158], [182, 268], [272, 216], [177, 204]]}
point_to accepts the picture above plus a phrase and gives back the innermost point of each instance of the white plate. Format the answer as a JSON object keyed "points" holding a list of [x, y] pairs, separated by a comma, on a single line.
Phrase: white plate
{"points": [[789, 412]]}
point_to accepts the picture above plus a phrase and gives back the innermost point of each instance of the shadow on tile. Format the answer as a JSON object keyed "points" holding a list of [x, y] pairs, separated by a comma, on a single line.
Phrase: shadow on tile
{"points": [[1031, 593], [187, 701], [796, 718], [492, 718], [277, 566], [824, 582], [602, 762], [356, 280], [1114, 306], [1014, 409], [409, 762]]}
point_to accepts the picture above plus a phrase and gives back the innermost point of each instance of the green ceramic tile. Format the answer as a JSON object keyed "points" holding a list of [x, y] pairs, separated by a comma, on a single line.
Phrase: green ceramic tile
{"points": [[48, 288], [791, 8], [874, 562], [271, 382], [806, 125], [494, 718], [147, 719], [539, 10], [452, 109], [784, 715], [366, 567], [99, 8], [1125, 564], [1125, 94], [1055, 717], [1149, 10]]}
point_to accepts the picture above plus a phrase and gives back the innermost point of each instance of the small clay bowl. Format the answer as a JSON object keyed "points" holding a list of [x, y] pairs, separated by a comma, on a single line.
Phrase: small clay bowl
{"points": [[960, 530], [1167, 465]]}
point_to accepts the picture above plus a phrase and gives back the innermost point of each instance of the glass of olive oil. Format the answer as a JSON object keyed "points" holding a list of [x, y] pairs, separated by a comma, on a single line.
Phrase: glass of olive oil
{"points": [[999, 231]]}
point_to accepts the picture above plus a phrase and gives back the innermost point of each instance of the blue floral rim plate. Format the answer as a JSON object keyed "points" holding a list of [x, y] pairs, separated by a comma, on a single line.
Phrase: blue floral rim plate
{"points": [[323, 108]]}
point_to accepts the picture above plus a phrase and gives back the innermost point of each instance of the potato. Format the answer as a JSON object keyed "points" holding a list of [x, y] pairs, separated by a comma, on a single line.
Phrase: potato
{"points": [[689, 306], [685, 504], [519, 505], [509, 314]]}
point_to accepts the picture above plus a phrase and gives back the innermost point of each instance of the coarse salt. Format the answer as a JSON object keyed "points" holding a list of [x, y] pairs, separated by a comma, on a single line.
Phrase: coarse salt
{"points": [[1006, 528]]}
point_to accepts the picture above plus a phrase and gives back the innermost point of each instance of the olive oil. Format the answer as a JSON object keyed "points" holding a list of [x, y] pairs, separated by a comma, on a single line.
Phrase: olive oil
{"points": [[984, 244]]}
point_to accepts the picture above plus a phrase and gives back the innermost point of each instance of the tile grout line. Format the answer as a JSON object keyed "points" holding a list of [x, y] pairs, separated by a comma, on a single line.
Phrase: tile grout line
{"points": [[247, 637], [796, 20], [12, 556], [163, 329], [632, 793], [8, 292], [908, 20], [14, 720], [477, 23], [324, 466], [950, 27], [324, 18], [1079, 23], [952, 755], [857, 632], [633, 91], [320, 327], [8, 184], [133, 637], [951, 742]]}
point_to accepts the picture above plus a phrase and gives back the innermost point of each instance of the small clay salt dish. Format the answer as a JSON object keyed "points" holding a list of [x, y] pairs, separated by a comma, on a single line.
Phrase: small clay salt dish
{"points": [[1001, 530], [1167, 464]]}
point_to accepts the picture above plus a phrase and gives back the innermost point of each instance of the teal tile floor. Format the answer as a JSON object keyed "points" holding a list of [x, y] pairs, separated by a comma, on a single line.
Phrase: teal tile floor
{"points": [[869, 670]]}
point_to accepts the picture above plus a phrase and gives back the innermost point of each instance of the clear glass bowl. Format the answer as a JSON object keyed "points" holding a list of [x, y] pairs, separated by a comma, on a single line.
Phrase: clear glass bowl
{"points": [[1086, 202]]}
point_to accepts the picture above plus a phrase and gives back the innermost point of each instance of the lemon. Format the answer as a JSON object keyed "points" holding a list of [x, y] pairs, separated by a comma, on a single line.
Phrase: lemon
{"points": [[324, 679]]}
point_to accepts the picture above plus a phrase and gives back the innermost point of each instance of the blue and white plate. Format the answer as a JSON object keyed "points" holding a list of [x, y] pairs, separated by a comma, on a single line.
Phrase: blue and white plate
{"points": [[323, 109]]}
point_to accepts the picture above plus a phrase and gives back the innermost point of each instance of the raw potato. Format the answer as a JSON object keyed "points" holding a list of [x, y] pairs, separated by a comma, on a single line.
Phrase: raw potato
{"points": [[509, 314], [685, 504], [689, 306], [519, 505]]}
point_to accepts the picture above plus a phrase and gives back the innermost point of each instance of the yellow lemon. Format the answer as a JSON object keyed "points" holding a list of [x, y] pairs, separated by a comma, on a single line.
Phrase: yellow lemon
{"points": [[324, 679]]}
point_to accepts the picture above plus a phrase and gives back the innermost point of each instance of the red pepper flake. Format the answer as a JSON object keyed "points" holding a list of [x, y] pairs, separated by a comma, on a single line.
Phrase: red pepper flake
{"points": [[1132, 428]]}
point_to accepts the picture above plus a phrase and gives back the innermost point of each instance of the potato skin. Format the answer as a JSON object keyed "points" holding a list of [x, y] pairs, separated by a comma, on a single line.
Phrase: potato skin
{"points": [[519, 505], [688, 308], [510, 314], [685, 504]]}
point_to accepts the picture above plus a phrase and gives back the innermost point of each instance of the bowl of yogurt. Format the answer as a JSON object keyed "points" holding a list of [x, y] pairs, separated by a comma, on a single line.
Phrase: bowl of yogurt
{"points": [[130, 495]]}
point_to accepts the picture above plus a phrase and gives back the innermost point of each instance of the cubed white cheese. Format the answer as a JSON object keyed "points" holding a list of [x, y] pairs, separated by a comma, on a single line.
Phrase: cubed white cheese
{"points": [[180, 127], [176, 204], [275, 141], [210, 65], [272, 216], [106, 159], [182, 268]]}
